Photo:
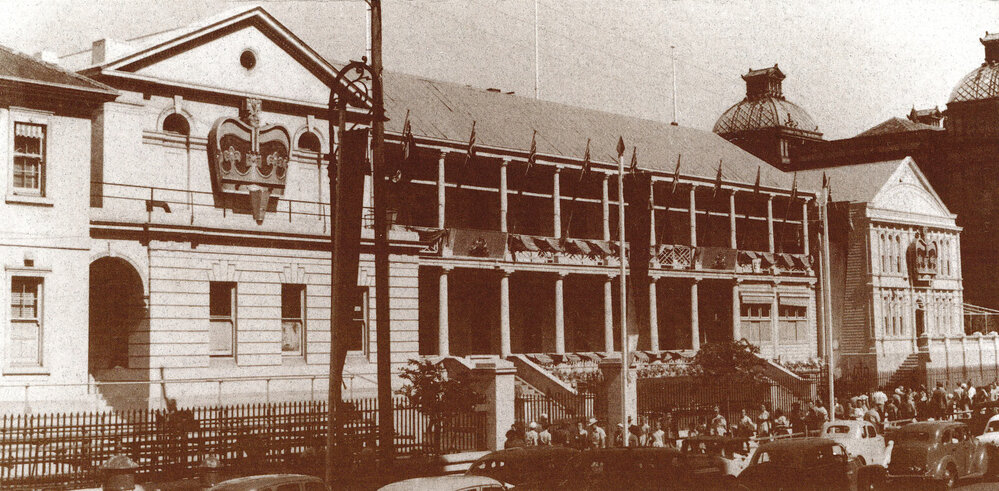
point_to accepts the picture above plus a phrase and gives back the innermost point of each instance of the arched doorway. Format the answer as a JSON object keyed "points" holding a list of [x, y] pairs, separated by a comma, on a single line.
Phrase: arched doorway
{"points": [[117, 307]]}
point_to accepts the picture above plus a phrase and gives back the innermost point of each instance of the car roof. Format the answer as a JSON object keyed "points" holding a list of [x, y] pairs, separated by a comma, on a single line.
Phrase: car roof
{"points": [[994, 417], [441, 482], [847, 422], [528, 453], [633, 451], [929, 426], [712, 438], [797, 444], [262, 481]]}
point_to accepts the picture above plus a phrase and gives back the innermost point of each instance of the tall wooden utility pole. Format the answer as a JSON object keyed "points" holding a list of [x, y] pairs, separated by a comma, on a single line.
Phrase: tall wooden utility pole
{"points": [[386, 429]]}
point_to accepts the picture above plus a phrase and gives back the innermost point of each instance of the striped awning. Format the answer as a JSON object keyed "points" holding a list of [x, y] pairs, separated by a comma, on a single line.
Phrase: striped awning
{"points": [[29, 130], [757, 298], [793, 300]]}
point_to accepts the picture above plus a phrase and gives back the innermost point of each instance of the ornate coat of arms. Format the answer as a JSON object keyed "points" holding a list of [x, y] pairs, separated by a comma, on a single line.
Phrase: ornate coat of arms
{"points": [[249, 159], [924, 254]]}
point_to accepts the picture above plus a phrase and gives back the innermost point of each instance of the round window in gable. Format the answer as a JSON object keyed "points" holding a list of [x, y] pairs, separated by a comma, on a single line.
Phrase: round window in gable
{"points": [[248, 59]]}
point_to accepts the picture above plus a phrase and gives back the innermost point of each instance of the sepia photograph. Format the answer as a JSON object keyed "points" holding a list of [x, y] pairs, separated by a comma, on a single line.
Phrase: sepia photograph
{"points": [[474, 245]]}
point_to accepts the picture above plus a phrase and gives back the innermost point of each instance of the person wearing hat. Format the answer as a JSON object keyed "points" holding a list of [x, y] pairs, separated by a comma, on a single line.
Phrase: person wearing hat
{"points": [[531, 437], [598, 437]]}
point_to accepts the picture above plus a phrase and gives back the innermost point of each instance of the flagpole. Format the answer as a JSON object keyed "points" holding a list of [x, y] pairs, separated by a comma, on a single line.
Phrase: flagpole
{"points": [[537, 63], [625, 362], [827, 296]]}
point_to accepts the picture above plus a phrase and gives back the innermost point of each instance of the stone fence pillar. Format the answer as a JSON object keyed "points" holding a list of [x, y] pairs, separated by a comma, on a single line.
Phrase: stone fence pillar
{"points": [[494, 379], [611, 392]]}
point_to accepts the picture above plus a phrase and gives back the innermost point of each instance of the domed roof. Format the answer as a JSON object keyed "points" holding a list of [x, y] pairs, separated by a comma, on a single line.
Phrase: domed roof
{"points": [[981, 83], [765, 112]]}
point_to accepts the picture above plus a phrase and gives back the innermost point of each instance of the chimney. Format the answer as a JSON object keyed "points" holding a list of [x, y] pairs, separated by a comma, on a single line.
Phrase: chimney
{"points": [[105, 50], [991, 43], [764, 83], [47, 56]]}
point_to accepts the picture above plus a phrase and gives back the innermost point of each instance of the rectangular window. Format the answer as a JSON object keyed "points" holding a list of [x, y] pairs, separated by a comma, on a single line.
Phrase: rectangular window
{"points": [[25, 348], [292, 320], [29, 159], [359, 321], [222, 315], [756, 323], [793, 323]]}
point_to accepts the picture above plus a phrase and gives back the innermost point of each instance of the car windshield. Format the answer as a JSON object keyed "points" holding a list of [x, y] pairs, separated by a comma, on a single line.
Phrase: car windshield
{"points": [[992, 427], [837, 430], [915, 436]]}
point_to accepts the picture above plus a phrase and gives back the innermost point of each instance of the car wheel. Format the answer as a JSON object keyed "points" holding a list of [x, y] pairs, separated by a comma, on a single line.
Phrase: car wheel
{"points": [[950, 476]]}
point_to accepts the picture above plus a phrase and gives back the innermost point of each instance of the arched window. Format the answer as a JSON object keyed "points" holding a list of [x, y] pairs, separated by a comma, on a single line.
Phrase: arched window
{"points": [[309, 141], [898, 254], [176, 123]]}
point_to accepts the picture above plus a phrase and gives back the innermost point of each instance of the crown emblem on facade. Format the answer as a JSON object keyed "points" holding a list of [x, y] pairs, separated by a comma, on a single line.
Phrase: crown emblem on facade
{"points": [[248, 158], [924, 253]]}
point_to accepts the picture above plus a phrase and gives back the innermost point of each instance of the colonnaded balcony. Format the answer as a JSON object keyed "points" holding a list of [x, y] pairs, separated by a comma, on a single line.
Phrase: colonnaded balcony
{"points": [[534, 249], [126, 204]]}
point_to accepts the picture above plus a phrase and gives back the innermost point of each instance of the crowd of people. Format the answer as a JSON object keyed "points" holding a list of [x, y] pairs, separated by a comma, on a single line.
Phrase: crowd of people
{"points": [[878, 407]]}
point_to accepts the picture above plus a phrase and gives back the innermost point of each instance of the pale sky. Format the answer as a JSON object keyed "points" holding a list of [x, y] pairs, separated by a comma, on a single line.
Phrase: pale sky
{"points": [[850, 64]]}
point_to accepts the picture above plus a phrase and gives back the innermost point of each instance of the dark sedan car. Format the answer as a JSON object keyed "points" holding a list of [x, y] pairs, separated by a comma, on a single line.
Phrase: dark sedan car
{"points": [[525, 467], [807, 464], [941, 450], [642, 469]]}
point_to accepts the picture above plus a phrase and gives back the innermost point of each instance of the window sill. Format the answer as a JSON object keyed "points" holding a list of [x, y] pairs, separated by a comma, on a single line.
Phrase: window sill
{"points": [[222, 361], [293, 361], [25, 371], [22, 199]]}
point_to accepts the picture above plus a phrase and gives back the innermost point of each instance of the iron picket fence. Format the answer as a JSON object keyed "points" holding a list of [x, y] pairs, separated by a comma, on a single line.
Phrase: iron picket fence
{"points": [[67, 449], [557, 408]]}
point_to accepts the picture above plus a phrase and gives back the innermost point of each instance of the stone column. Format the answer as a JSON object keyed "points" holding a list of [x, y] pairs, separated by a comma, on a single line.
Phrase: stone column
{"points": [[695, 329], [653, 316], [605, 202], [616, 394], [505, 313], [443, 331], [804, 226], [736, 312], [494, 379], [556, 205], [560, 313], [732, 241], [770, 221], [693, 217], [441, 190], [608, 316], [503, 196]]}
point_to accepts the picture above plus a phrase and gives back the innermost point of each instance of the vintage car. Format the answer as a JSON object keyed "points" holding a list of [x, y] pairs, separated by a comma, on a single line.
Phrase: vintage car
{"points": [[446, 483], [729, 455], [939, 450], [860, 438], [807, 464], [990, 434], [641, 469], [272, 482], [525, 467]]}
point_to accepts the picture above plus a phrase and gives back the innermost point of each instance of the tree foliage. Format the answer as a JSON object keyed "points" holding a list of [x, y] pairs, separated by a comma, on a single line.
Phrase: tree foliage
{"points": [[733, 361], [437, 395]]}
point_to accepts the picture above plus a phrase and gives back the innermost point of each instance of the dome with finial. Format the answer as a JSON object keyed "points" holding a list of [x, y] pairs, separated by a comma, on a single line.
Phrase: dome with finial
{"points": [[983, 82], [764, 107]]}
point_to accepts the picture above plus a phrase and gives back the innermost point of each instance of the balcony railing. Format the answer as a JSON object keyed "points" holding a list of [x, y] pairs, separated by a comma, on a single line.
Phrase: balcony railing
{"points": [[132, 204], [521, 248]]}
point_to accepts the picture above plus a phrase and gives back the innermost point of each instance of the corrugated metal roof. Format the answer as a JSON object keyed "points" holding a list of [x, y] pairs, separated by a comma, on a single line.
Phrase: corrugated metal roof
{"points": [[853, 183], [898, 125], [19, 66], [445, 111]]}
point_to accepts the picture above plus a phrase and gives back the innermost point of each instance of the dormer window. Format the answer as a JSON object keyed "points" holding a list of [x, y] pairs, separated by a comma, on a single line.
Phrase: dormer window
{"points": [[177, 124], [309, 141]]}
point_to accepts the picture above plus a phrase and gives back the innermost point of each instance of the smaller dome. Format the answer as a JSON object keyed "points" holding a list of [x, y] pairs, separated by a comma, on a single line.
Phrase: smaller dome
{"points": [[765, 112], [981, 83]]}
